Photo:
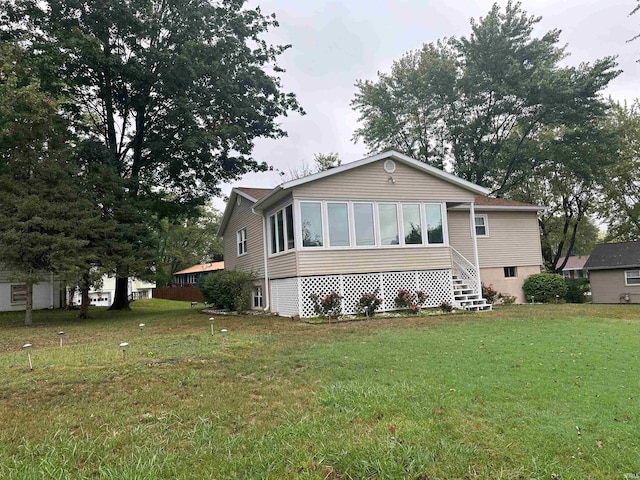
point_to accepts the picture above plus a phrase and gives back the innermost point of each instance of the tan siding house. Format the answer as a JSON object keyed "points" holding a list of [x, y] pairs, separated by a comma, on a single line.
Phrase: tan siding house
{"points": [[380, 224], [614, 273]]}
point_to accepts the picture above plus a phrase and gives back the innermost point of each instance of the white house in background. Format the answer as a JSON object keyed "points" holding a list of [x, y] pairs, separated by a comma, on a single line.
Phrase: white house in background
{"points": [[48, 293], [103, 296], [383, 223]]}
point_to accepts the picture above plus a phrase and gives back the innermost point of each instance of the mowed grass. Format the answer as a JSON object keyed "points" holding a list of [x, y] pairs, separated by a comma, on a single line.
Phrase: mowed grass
{"points": [[523, 392]]}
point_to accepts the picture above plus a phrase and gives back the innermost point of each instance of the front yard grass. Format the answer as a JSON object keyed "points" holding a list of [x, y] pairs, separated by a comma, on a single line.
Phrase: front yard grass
{"points": [[528, 391]]}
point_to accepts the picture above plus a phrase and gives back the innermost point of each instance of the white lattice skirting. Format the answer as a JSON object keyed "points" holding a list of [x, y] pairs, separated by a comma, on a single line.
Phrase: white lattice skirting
{"points": [[291, 296]]}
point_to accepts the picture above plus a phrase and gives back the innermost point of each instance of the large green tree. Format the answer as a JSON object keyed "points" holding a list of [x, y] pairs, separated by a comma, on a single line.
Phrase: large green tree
{"points": [[176, 90], [478, 101], [44, 213], [620, 186]]}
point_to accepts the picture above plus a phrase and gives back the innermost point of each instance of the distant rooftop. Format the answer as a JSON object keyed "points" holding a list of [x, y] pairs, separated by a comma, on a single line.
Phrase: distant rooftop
{"points": [[202, 267], [614, 255]]}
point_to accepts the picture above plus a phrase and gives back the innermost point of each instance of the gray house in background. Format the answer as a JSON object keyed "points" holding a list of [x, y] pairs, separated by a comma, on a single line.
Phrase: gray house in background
{"points": [[614, 273]]}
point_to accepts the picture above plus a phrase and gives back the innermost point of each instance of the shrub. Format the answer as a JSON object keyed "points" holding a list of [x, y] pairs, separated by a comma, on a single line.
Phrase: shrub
{"points": [[576, 288], [368, 303], [410, 301], [545, 287], [489, 293], [330, 304], [228, 289], [506, 299], [446, 307]]}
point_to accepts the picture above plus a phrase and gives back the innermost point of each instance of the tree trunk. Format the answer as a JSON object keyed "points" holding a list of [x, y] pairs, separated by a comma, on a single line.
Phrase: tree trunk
{"points": [[84, 303], [28, 307], [121, 300]]}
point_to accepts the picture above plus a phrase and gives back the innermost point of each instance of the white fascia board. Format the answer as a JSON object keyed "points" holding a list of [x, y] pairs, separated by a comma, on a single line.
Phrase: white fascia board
{"points": [[229, 208], [498, 208]]}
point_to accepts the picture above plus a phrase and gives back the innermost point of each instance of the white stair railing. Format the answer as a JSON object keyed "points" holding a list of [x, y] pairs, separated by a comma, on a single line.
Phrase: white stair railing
{"points": [[465, 270]]}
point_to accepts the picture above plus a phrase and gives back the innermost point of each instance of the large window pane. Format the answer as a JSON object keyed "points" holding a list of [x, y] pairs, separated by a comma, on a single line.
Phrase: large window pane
{"points": [[388, 216], [435, 233], [411, 223], [363, 218], [289, 217], [311, 220], [274, 234], [338, 224], [280, 231]]}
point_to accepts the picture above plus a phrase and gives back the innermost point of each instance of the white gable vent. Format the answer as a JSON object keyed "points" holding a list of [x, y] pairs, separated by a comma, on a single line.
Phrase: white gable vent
{"points": [[389, 166]]}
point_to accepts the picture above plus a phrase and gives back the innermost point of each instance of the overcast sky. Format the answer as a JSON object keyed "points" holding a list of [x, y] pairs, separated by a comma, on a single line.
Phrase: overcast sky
{"points": [[335, 43]]}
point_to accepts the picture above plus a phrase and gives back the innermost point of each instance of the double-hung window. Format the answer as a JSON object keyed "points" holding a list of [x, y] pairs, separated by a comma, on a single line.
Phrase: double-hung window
{"points": [[18, 293], [257, 297], [482, 225], [241, 237], [338, 222], [632, 277], [281, 230], [435, 226]]}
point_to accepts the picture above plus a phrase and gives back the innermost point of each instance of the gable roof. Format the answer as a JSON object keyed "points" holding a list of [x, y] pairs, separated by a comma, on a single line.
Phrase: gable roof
{"points": [[281, 190], [253, 194], [202, 267], [614, 255], [575, 262]]}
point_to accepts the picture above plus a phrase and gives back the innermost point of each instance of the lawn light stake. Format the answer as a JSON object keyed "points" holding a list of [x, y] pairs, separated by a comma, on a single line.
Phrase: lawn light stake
{"points": [[211, 320], [27, 347], [124, 346], [141, 326], [223, 332], [61, 334]]}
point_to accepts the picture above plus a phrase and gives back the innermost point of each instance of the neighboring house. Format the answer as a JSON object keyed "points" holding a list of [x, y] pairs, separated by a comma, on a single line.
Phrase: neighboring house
{"points": [[614, 273], [383, 223], [47, 293], [103, 296], [189, 276], [574, 267]]}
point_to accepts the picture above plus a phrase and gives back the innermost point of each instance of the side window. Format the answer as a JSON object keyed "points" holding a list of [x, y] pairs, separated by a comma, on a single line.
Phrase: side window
{"points": [[241, 237], [510, 272], [18, 293], [482, 225], [632, 277], [311, 223]]}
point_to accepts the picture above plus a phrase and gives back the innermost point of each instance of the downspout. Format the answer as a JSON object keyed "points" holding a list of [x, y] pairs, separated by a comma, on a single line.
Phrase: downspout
{"points": [[264, 251], [472, 221]]}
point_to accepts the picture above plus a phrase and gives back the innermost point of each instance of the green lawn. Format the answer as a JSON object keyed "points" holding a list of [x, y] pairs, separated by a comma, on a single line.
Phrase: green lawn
{"points": [[522, 392]]}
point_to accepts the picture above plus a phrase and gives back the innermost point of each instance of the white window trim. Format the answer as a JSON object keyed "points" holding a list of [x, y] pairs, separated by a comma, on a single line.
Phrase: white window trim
{"points": [[240, 241], [274, 213], [626, 278], [258, 294], [376, 225], [486, 225], [14, 302]]}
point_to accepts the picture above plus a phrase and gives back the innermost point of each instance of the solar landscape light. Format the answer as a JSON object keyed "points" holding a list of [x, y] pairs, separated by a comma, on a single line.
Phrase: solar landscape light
{"points": [[211, 320], [141, 326], [223, 332], [61, 334], [124, 346], [27, 348]]}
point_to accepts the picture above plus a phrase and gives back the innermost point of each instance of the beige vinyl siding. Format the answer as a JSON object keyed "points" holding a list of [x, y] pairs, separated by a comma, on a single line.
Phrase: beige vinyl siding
{"points": [[608, 285], [460, 233], [326, 262], [371, 182], [508, 286], [283, 265], [242, 217], [514, 239]]}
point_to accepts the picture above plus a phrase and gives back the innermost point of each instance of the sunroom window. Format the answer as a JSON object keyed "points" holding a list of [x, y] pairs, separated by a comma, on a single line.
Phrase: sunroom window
{"points": [[435, 232], [338, 216], [311, 221], [363, 223], [388, 221], [411, 223], [281, 230]]}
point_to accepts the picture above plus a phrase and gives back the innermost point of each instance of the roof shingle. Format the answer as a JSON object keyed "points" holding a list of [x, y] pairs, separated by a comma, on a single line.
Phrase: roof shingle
{"points": [[614, 255]]}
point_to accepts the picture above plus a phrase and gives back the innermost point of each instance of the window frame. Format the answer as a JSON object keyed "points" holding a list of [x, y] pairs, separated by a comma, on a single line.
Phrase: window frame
{"points": [[486, 225], [258, 296], [627, 276], [274, 241], [241, 241], [375, 208], [350, 238], [13, 293], [515, 272]]}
